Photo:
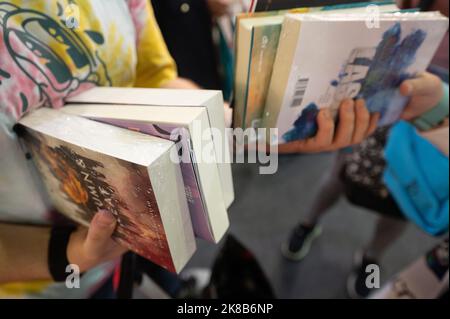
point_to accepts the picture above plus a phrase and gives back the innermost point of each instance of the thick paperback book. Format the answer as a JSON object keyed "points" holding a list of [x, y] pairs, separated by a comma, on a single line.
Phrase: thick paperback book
{"points": [[88, 166], [211, 101]]}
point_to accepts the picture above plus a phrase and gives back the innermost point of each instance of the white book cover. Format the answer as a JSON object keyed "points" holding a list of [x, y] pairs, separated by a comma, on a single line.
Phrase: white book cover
{"points": [[257, 37], [211, 100], [185, 127], [341, 56], [88, 166]]}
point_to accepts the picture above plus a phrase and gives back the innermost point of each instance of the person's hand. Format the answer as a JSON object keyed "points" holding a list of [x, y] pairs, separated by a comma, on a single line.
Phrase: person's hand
{"points": [[425, 92], [355, 124], [91, 247], [219, 8]]}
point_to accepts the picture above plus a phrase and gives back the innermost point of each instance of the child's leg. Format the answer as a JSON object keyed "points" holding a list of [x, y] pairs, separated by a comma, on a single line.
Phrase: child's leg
{"points": [[329, 193], [302, 236], [387, 231]]}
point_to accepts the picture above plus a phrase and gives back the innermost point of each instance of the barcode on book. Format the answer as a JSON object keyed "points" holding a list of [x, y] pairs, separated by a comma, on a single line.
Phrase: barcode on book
{"points": [[299, 93]]}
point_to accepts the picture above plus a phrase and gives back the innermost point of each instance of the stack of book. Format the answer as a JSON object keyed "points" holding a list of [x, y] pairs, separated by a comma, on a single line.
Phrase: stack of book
{"points": [[157, 159], [290, 64]]}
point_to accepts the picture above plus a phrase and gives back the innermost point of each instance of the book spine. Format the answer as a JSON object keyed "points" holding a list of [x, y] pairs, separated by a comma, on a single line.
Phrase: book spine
{"points": [[240, 79], [278, 86], [247, 83], [265, 45], [167, 182]]}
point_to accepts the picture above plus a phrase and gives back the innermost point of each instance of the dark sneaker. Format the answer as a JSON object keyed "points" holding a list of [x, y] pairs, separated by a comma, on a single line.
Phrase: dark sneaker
{"points": [[193, 283], [356, 282], [300, 241]]}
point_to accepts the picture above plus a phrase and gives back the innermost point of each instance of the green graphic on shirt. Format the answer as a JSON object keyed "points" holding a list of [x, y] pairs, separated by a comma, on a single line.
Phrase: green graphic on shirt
{"points": [[27, 33]]}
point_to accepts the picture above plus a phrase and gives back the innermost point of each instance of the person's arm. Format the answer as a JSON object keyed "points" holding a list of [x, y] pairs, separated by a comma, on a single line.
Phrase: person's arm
{"points": [[23, 253], [437, 116], [155, 67], [24, 249], [180, 83]]}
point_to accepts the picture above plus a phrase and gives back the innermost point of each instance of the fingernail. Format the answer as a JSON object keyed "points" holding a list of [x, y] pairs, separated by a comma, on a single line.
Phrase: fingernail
{"points": [[104, 218]]}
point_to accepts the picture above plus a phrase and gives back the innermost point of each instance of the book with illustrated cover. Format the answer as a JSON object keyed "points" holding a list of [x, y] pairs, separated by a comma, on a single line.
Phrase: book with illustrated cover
{"points": [[257, 38], [313, 72], [185, 127], [256, 50], [88, 166], [211, 100]]}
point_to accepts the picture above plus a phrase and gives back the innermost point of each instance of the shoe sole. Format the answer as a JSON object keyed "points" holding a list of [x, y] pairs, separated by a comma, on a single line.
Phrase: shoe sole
{"points": [[304, 250], [351, 292]]}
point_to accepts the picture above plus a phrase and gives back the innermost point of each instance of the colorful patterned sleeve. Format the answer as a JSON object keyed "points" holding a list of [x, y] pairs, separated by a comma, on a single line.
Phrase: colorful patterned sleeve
{"points": [[155, 65]]}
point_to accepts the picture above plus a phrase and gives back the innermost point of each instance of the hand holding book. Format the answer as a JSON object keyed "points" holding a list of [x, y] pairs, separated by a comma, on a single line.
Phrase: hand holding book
{"points": [[90, 247], [158, 202], [285, 77], [354, 125], [425, 91]]}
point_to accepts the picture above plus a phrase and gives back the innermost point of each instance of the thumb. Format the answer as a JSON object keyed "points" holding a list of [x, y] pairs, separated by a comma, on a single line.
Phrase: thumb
{"points": [[423, 84], [99, 234]]}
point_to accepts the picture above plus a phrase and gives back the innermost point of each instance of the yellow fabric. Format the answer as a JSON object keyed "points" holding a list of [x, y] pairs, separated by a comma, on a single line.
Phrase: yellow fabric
{"points": [[19, 290], [160, 67]]}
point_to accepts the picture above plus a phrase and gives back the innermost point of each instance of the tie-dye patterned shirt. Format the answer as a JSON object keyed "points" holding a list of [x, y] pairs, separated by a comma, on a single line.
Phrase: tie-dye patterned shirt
{"points": [[52, 49]]}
